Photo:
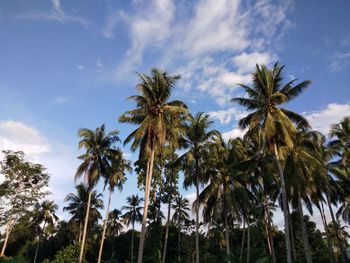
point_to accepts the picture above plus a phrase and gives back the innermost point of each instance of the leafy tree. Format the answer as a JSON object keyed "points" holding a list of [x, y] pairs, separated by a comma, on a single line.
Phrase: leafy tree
{"points": [[131, 216], [152, 114], [277, 124], [44, 213], [115, 177], [195, 139], [23, 186], [98, 146], [78, 203]]}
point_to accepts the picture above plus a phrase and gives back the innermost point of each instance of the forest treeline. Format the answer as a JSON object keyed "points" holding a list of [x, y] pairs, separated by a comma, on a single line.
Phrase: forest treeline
{"points": [[281, 163]]}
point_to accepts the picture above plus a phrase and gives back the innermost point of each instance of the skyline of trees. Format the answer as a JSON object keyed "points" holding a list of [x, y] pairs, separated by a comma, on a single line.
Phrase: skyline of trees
{"points": [[280, 162]]}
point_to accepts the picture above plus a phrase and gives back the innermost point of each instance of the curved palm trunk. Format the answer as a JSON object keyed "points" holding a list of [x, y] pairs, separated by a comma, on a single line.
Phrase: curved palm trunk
{"points": [[305, 237], [292, 240], [104, 227], [325, 226], [8, 231], [227, 234], [81, 256], [243, 241], [270, 237], [132, 243], [197, 219], [284, 201], [248, 242], [166, 231], [37, 246], [146, 204]]}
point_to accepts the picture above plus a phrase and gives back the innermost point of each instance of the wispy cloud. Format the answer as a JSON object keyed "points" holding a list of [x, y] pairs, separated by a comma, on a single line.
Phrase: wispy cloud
{"points": [[56, 13], [192, 39], [59, 100], [339, 60]]}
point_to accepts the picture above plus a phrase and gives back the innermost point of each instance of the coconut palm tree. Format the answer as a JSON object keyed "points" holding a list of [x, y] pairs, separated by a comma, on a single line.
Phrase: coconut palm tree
{"points": [[340, 133], [152, 115], [181, 208], [265, 97], [77, 206], [132, 216], [115, 177], [115, 222], [195, 139], [98, 146], [44, 213]]}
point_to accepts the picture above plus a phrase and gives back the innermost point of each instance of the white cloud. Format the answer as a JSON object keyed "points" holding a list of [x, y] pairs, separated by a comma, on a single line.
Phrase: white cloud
{"points": [[59, 100], [56, 13], [195, 39], [80, 67], [322, 120], [59, 159], [226, 116], [246, 62], [234, 133]]}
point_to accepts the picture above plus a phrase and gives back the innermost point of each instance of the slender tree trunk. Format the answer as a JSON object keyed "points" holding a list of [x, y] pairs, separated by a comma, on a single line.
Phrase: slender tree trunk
{"points": [[207, 244], [80, 230], [167, 231], [284, 201], [8, 231], [81, 256], [270, 236], [145, 210], [335, 223], [248, 241], [325, 226], [132, 242], [37, 246], [179, 244], [104, 227], [197, 218], [243, 241], [292, 240], [305, 237], [227, 234]]}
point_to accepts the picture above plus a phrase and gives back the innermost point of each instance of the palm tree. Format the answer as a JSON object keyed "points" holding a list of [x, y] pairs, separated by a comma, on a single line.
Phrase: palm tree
{"points": [[132, 216], [115, 222], [98, 146], [78, 203], [44, 213], [195, 139], [115, 177], [340, 133], [265, 97], [181, 208], [152, 115]]}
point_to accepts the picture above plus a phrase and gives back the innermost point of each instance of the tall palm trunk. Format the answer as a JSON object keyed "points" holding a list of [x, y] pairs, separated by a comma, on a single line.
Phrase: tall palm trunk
{"points": [[335, 222], [227, 234], [104, 227], [284, 201], [325, 226], [146, 204], [81, 256], [305, 237], [37, 245], [132, 242], [207, 244], [167, 231], [243, 241], [197, 218], [80, 231], [8, 231], [292, 239], [270, 236], [248, 241], [179, 243]]}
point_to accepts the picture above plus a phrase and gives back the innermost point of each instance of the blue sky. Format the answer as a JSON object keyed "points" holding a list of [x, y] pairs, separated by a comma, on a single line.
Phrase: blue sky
{"points": [[71, 64]]}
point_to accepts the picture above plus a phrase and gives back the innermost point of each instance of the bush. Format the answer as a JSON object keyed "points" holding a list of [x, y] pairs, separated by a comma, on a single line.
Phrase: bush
{"points": [[69, 254], [13, 260]]}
